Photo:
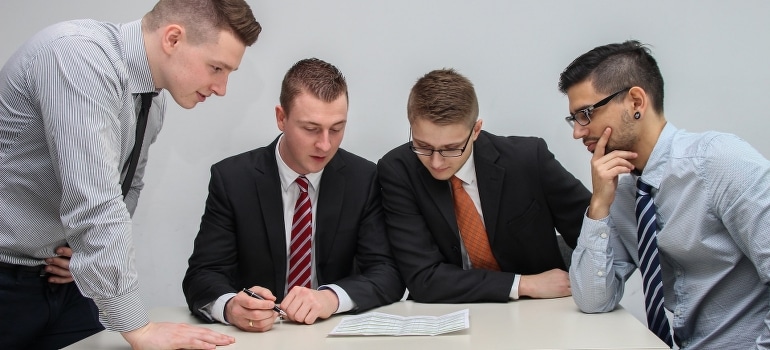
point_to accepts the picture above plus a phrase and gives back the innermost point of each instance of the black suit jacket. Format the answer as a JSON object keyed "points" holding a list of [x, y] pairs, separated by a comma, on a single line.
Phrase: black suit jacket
{"points": [[242, 239], [525, 196]]}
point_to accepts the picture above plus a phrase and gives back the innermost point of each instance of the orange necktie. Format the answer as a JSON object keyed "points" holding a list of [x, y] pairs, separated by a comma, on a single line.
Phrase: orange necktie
{"points": [[472, 229]]}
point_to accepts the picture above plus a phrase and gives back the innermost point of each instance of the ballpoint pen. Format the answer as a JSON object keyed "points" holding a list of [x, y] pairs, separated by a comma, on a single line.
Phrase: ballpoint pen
{"points": [[257, 296]]}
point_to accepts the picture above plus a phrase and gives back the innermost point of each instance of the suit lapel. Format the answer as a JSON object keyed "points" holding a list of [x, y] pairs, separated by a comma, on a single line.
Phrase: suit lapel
{"points": [[489, 177], [441, 195], [330, 196], [271, 204]]}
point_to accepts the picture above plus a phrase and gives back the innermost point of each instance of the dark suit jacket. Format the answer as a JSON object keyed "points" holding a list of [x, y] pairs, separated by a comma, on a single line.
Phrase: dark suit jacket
{"points": [[525, 194], [242, 239]]}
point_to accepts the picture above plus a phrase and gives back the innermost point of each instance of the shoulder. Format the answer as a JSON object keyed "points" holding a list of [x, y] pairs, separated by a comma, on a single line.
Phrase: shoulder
{"points": [[510, 148], [347, 161], [251, 157], [715, 149]]}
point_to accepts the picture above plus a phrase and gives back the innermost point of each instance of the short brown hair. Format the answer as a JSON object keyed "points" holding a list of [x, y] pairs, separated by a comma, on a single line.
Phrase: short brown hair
{"points": [[204, 19], [443, 97], [313, 76]]}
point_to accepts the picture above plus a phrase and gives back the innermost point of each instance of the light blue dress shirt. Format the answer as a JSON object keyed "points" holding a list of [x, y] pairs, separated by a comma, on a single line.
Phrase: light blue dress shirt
{"points": [[712, 193]]}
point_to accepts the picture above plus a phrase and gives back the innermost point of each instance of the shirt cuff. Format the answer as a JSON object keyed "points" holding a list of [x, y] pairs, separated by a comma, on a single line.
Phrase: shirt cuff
{"points": [[594, 233], [514, 295], [216, 308], [123, 313], [345, 304]]}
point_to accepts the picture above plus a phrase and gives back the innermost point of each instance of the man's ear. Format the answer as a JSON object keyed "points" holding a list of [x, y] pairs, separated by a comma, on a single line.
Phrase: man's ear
{"points": [[171, 36], [280, 117]]}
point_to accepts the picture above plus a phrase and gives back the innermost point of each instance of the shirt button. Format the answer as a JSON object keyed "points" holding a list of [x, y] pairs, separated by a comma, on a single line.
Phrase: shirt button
{"points": [[600, 273], [603, 235]]}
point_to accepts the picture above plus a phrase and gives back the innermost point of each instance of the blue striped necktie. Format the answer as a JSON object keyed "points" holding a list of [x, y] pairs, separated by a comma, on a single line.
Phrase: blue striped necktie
{"points": [[649, 263]]}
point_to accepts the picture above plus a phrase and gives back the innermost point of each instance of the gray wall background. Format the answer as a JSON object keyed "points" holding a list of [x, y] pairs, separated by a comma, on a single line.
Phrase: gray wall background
{"points": [[713, 55]]}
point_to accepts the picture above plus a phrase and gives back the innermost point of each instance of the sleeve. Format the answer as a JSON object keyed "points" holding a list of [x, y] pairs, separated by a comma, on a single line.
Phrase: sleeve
{"points": [[428, 275], [600, 267], [567, 197], [379, 281], [80, 115], [213, 263], [739, 181]]}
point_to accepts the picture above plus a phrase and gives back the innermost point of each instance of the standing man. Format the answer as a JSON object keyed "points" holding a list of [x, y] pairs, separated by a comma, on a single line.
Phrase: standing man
{"points": [[472, 216], [299, 222], [701, 236], [77, 117]]}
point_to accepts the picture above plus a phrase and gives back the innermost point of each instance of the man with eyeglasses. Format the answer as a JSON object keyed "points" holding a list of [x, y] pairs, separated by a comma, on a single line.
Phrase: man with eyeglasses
{"points": [[472, 217], [701, 237]]}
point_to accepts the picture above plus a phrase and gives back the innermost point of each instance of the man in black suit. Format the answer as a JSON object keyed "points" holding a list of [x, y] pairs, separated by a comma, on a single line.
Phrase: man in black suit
{"points": [[247, 239], [519, 194]]}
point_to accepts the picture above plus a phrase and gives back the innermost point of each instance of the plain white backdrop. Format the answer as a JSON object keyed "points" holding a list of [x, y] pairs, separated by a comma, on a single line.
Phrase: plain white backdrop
{"points": [[713, 55]]}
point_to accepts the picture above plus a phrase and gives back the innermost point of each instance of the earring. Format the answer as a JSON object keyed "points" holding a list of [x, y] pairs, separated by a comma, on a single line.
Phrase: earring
{"points": [[637, 115]]}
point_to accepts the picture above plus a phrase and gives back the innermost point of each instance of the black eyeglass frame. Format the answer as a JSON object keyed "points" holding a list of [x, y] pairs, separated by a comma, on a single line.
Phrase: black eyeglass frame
{"points": [[419, 150], [573, 118]]}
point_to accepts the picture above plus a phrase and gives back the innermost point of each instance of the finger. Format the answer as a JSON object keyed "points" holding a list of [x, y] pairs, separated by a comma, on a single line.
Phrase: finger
{"points": [[60, 262], [58, 271], [60, 280], [602, 143], [263, 292], [64, 251], [249, 303]]}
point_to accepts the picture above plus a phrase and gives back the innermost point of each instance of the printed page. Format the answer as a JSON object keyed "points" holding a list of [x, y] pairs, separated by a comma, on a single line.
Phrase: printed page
{"points": [[377, 323]]}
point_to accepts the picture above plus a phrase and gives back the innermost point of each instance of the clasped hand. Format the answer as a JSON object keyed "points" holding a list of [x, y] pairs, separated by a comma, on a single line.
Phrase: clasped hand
{"points": [[302, 305]]}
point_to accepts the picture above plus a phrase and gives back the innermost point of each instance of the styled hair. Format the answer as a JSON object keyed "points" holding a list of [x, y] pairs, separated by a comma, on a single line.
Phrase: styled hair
{"points": [[614, 67], [443, 97], [204, 19], [313, 76]]}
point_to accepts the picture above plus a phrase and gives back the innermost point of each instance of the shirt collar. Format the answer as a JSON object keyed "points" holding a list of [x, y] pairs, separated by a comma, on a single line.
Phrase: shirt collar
{"points": [[467, 172], [288, 176], [137, 65], [656, 165]]}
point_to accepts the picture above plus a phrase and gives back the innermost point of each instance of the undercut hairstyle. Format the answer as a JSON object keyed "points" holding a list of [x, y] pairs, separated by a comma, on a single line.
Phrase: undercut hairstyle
{"points": [[614, 67], [203, 20], [312, 76], [443, 97]]}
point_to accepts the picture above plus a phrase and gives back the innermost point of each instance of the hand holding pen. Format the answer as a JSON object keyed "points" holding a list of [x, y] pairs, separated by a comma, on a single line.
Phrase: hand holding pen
{"points": [[257, 296]]}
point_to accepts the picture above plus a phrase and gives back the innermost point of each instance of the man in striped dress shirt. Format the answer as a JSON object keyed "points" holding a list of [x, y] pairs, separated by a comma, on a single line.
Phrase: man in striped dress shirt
{"points": [[68, 114]]}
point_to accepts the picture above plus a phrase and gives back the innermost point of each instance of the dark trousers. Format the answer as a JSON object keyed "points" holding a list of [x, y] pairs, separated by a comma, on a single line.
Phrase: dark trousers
{"points": [[35, 314]]}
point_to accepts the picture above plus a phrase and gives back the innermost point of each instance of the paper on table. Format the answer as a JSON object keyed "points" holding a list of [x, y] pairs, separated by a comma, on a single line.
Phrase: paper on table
{"points": [[378, 323]]}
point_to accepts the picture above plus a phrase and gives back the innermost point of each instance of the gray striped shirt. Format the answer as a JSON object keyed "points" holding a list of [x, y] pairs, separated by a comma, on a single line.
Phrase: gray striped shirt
{"points": [[68, 109]]}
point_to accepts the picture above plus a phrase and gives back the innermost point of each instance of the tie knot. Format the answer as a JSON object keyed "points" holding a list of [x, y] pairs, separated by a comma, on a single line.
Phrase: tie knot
{"points": [[457, 184], [303, 183], [643, 189]]}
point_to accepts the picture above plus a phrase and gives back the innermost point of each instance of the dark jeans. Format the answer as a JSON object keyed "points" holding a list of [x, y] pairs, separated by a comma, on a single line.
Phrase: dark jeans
{"points": [[35, 314]]}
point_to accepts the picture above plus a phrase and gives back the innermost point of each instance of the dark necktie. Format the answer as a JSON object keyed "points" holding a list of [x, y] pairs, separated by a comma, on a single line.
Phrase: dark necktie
{"points": [[301, 242], [472, 229], [649, 262], [141, 126]]}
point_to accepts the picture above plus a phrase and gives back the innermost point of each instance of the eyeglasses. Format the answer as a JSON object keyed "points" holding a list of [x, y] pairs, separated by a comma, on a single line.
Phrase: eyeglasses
{"points": [[448, 153], [583, 116]]}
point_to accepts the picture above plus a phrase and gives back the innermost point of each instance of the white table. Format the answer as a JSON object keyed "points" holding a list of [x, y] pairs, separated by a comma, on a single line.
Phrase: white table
{"points": [[523, 324]]}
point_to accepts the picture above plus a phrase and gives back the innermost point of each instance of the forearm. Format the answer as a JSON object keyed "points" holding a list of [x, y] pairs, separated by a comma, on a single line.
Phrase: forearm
{"points": [[597, 276]]}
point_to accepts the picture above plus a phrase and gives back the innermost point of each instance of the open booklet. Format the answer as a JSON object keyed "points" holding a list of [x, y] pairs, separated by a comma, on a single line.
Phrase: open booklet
{"points": [[377, 323]]}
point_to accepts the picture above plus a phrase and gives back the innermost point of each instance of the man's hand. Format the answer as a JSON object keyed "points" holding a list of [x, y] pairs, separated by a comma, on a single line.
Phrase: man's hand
{"points": [[175, 336], [251, 314], [605, 169], [305, 305], [550, 284], [59, 266]]}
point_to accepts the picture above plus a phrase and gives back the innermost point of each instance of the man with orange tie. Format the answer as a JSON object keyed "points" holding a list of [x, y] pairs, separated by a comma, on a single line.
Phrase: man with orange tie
{"points": [[471, 216], [298, 222]]}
